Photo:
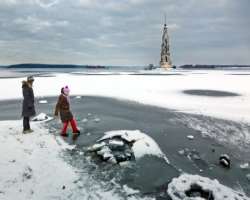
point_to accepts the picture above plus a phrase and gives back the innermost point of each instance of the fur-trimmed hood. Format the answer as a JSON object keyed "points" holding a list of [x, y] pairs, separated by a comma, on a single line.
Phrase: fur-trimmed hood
{"points": [[25, 84]]}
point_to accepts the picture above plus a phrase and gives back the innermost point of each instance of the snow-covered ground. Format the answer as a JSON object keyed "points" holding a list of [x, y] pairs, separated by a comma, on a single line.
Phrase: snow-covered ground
{"points": [[159, 90], [27, 162], [32, 167]]}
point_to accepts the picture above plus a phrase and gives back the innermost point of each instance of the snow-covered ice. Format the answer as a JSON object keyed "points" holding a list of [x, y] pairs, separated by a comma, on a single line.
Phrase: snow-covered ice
{"points": [[78, 97], [248, 177], [226, 132], [43, 101], [42, 117], [244, 166], [97, 120], [85, 120], [178, 187], [164, 90], [190, 137]]}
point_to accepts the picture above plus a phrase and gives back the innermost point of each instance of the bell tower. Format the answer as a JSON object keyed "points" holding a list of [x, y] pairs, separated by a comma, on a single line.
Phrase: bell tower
{"points": [[165, 50]]}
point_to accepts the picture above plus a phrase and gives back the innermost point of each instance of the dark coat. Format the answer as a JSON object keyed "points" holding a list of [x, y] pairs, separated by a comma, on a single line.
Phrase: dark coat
{"points": [[28, 101], [63, 108]]}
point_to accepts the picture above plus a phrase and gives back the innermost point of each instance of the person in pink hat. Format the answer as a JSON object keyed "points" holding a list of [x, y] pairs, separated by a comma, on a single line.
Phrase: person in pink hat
{"points": [[63, 107]]}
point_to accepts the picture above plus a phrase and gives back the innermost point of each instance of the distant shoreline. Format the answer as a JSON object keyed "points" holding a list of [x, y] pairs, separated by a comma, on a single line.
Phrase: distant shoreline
{"points": [[72, 66]]}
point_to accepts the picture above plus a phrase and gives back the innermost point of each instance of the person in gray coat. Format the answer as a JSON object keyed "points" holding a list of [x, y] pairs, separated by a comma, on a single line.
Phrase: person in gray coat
{"points": [[28, 104]]}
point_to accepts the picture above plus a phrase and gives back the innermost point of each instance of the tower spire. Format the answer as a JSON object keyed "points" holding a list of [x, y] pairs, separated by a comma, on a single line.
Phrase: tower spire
{"points": [[165, 19]]}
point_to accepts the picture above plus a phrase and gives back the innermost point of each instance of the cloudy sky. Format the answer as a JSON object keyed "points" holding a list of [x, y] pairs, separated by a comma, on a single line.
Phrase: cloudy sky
{"points": [[124, 32]]}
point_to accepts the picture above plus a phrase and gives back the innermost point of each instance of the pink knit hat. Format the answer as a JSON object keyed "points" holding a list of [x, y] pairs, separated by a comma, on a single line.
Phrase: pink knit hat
{"points": [[66, 90]]}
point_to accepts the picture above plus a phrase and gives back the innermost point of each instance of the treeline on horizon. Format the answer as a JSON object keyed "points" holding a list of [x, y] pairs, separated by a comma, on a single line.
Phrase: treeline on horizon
{"points": [[199, 66], [30, 65]]}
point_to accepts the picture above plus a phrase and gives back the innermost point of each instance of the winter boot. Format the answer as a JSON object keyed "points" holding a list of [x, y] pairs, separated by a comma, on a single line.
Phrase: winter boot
{"points": [[64, 135]]}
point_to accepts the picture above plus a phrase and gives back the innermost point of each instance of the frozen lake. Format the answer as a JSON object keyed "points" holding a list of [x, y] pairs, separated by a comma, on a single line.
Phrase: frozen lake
{"points": [[149, 175], [192, 117]]}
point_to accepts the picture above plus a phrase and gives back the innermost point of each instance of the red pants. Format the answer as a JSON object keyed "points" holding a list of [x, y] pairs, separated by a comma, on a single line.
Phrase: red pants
{"points": [[73, 126]]}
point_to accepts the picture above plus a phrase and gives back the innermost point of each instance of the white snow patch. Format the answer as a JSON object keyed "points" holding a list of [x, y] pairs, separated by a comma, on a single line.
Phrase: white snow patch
{"points": [[244, 166], [143, 145], [78, 97], [43, 101], [248, 177], [116, 143], [190, 137], [130, 191], [96, 147], [85, 120], [42, 117], [178, 187], [97, 120], [181, 152]]}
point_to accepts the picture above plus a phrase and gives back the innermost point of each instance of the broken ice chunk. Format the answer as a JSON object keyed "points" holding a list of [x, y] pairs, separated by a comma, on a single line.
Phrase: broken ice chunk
{"points": [[103, 150], [248, 177], [96, 147], [190, 137], [181, 152], [85, 120], [41, 117], [97, 120], [43, 101], [112, 160], [107, 155], [244, 166]]}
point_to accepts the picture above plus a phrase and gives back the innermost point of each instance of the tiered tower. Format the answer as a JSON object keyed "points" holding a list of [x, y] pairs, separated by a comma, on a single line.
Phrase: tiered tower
{"points": [[165, 51]]}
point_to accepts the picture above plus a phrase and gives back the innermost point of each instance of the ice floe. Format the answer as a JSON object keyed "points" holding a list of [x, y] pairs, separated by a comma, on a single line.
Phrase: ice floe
{"points": [[195, 187], [248, 177], [97, 120], [43, 101], [244, 166], [78, 97], [124, 145], [85, 120], [190, 137], [42, 117]]}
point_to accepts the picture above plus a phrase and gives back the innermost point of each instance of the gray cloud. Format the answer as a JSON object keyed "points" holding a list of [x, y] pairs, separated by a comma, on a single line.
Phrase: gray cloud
{"points": [[124, 32]]}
